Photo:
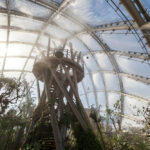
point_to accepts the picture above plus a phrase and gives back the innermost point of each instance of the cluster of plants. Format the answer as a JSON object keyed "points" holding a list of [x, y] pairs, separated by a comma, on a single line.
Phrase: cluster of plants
{"points": [[78, 139], [41, 130], [11, 90], [104, 137], [16, 108], [114, 137]]}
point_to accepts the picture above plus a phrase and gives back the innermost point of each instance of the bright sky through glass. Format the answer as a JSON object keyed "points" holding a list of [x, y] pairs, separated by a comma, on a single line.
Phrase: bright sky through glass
{"points": [[101, 84]]}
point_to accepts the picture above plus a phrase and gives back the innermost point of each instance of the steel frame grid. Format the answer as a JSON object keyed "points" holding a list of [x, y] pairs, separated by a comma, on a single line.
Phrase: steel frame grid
{"points": [[88, 29]]}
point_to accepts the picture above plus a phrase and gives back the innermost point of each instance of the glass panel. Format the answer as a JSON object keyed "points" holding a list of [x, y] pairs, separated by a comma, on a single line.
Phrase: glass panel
{"points": [[35, 52], [3, 19], [67, 24], [1, 64], [121, 42], [22, 36], [67, 46], [101, 100], [2, 49], [80, 89], [103, 114], [112, 82], [3, 3], [43, 41], [53, 1], [12, 74], [103, 61], [146, 4], [128, 124], [123, 9], [25, 23], [112, 99], [85, 70], [18, 50], [133, 66], [136, 88], [87, 83], [29, 77], [57, 42], [93, 12], [91, 98], [84, 101], [90, 42], [29, 65], [57, 32], [131, 107], [3, 35], [14, 63], [90, 63], [30, 8], [98, 82], [34, 93], [78, 45]]}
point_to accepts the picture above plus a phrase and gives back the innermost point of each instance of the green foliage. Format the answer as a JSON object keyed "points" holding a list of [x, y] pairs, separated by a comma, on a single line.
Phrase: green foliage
{"points": [[10, 91], [115, 138], [82, 140], [10, 125], [33, 146], [125, 141], [14, 119], [145, 112], [86, 140], [95, 115]]}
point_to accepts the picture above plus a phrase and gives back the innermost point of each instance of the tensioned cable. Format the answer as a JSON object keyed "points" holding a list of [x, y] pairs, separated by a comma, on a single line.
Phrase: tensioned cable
{"points": [[140, 41]]}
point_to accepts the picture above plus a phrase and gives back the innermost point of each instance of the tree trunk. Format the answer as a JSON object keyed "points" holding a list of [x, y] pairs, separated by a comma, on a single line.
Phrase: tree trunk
{"points": [[101, 135], [18, 141]]}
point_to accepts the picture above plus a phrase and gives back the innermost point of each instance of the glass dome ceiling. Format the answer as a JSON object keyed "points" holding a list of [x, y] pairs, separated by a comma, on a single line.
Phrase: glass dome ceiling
{"points": [[113, 37]]}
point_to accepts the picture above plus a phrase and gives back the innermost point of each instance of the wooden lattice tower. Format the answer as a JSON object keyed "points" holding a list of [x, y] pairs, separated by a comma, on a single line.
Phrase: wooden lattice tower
{"points": [[60, 70]]}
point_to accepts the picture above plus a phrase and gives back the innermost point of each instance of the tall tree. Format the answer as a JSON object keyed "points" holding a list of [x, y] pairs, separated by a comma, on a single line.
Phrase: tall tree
{"points": [[16, 106]]}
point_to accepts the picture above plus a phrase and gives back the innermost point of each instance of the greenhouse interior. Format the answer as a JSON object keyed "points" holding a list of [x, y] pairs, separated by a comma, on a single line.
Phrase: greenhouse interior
{"points": [[74, 74]]}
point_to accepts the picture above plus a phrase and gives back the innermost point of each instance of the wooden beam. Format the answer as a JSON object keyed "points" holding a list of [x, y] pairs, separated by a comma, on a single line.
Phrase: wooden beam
{"points": [[38, 90], [70, 101], [53, 118], [75, 91]]}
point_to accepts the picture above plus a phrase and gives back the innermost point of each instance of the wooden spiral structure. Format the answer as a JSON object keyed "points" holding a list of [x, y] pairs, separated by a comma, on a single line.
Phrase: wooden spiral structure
{"points": [[60, 71]]}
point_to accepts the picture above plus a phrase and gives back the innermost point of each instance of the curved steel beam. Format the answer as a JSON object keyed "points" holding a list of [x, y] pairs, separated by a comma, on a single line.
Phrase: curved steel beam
{"points": [[121, 25], [103, 80], [82, 25], [124, 94], [87, 100], [32, 57], [25, 43], [90, 75], [53, 5], [18, 29], [63, 5], [16, 70], [129, 54], [115, 66], [25, 15], [142, 79], [21, 14], [106, 48], [40, 19], [8, 33]]}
